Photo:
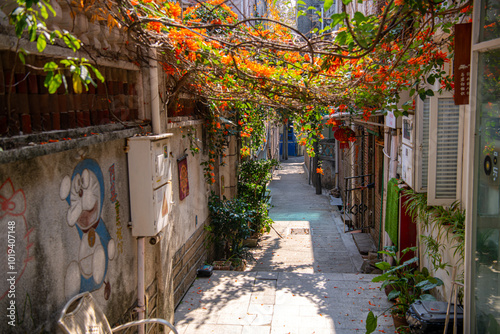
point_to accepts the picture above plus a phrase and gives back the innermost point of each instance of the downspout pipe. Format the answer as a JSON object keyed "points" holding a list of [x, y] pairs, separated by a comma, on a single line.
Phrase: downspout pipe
{"points": [[380, 226], [141, 286], [155, 97]]}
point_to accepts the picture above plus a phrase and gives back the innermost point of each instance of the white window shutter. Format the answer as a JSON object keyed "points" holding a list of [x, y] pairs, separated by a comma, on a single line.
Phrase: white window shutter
{"points": [[445, 151], [422, 144]]}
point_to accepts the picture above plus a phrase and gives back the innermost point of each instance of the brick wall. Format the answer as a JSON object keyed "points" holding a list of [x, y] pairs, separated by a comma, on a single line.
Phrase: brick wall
{"points": [[186, 260], [33, 109]]}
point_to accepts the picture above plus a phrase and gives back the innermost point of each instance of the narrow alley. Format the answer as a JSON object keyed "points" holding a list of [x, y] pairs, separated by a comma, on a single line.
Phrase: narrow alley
{"points": [[303, 277]]}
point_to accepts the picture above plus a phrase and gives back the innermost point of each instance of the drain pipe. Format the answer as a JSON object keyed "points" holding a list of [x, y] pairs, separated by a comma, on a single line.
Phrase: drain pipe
{"points": [[155, 118], [141, 286], [155, 97], [380, 226]]}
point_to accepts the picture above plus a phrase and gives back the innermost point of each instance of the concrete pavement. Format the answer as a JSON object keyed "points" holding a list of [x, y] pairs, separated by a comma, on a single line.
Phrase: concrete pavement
{"points": [[322, 248], [305, 282]]}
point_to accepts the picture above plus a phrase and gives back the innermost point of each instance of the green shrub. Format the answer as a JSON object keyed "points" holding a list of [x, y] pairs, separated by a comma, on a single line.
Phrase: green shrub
{"points": [[253, 177], [230, 222]]}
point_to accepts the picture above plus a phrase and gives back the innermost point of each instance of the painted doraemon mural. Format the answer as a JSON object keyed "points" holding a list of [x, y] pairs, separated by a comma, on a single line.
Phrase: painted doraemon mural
{"points": [[84, 192]]}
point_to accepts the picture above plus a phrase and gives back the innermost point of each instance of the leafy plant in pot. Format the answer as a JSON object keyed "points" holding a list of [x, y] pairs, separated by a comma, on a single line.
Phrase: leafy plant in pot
{"points": [[408, 283]]}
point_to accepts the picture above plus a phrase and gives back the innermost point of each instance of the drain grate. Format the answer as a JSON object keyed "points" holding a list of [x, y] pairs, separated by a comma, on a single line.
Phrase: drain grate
{"points": [[299, 231]]}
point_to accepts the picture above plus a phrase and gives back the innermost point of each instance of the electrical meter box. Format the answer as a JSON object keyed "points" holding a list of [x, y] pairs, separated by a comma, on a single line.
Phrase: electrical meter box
{"points": [[150, 180]]}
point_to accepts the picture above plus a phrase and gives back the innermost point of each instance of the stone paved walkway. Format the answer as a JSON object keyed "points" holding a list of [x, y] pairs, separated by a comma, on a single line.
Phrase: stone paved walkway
{"points": [[301, 283], [295, 207]]}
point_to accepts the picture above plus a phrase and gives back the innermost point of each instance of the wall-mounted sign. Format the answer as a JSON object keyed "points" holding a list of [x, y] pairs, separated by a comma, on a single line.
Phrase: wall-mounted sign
{"points": [[461, 67], [183, 178], [390, 120]]}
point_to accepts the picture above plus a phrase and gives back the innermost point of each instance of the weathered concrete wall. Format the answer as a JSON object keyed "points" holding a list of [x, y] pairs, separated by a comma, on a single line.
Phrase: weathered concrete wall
{"points": [[70, 212], [328, 179], [175, 259], [448, 256]]}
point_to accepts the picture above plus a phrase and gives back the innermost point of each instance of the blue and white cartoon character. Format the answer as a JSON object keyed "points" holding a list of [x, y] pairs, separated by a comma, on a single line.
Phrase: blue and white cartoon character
{"points": [[84, 192]]}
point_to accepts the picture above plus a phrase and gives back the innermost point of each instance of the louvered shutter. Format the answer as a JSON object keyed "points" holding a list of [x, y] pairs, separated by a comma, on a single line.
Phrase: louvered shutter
{"points": [[445, 151], [422, 144]]}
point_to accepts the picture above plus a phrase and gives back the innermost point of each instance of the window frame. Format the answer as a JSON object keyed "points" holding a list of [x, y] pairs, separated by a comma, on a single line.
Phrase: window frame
{"points": [[470, 185], [433, 148]]}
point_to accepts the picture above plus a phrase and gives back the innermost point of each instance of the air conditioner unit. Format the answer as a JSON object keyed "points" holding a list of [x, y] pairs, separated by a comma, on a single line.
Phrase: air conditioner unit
{"points": [[150, 182]]}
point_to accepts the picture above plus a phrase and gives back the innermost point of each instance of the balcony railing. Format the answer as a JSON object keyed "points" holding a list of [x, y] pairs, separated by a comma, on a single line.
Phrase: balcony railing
{"points": [[327, 149]]}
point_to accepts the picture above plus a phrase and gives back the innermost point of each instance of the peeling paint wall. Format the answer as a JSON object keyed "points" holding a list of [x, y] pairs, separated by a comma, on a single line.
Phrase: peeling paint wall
{"points": [[70, 217]]}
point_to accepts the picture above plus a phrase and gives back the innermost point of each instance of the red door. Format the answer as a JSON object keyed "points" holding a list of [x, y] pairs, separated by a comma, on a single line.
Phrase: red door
{"points": [[407, 230]]}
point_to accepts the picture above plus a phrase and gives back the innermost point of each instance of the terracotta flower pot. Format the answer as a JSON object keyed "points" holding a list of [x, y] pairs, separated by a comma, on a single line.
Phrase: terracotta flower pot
{"points": [[399, 320], [250, 242], [221, 265]]}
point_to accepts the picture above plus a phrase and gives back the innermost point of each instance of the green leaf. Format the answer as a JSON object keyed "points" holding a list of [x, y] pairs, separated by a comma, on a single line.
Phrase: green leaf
{"points": [[387, 252], [43, 11], [346, 2], [328, 4], [300, 2], [341, 37], [21, 57], [92, 82], [52, 82], [393, 294], [371, 323], [408, 249], [50, 66], [429, 92], [431, 80], [379, 279], [71, 41], [66, 62], [382, 265], [20, 25], [359, 17], [49, 7], [41, 43], [32, 32], [337, 18]]}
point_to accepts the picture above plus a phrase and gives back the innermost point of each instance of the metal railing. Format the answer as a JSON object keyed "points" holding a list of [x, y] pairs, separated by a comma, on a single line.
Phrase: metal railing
{"points": [[327, 149]]}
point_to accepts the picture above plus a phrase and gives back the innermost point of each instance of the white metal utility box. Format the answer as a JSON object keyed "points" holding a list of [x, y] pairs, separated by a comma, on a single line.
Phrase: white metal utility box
{"points": [[150, 180]]}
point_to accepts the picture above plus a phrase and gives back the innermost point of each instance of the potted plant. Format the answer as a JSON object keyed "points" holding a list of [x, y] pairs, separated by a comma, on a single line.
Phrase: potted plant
{"points": [[222, 265], [408, 283]]}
